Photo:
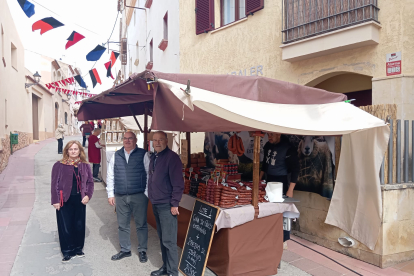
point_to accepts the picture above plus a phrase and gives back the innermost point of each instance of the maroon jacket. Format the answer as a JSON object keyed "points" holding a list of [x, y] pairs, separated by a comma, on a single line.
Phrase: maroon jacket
{"points": [[62, 179], [86, 128]]}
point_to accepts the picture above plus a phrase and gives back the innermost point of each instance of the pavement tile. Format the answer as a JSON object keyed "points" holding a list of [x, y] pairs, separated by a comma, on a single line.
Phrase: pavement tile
{"points": [[4, 221], [323, 271], [371, 268], [5, 268], [305, 264], [9, 249], [7, 258], [289, 256], [409, 268]]}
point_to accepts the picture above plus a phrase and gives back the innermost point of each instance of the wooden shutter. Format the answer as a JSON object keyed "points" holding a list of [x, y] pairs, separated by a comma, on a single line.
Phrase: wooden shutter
{"points": [[253, 6], [124, 49], [204, 16]]}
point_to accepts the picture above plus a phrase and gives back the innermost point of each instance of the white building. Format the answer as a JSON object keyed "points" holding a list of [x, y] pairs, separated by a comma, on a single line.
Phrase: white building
{"points": [[152, 35]]}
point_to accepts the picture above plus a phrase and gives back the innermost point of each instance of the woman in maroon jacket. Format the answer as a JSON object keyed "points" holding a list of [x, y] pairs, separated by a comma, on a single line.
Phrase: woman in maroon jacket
{"points": [[72, 188]]}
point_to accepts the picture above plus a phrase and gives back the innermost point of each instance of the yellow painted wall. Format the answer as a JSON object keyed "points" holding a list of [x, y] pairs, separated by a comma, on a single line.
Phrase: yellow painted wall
{"points": [[256, 41]]}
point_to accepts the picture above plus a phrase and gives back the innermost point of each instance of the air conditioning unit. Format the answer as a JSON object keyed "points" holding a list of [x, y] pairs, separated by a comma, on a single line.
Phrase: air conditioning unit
{"points": [[136, 62]]}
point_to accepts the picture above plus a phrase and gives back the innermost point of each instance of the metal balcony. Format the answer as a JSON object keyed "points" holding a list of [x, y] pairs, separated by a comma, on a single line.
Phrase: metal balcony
{"points": [[306, 18]]}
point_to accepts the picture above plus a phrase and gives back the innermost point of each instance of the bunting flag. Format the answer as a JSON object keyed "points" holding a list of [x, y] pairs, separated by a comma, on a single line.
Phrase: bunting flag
{"points": [[95, 77], [114, 56], [108, 70], [73, 39], [46, 24], [80, 81], [110, 64], [27, 7], [96, 53]]}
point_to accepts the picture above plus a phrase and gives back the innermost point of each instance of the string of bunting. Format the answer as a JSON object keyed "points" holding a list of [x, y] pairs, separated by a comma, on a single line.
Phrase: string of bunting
{"points": [[49, 23]]}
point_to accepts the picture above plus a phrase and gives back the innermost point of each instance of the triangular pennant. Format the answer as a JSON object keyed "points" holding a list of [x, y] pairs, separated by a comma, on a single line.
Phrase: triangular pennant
{"points": [[27, 7], [73, 39], [46, 24], [49, 86], [56, 84]]}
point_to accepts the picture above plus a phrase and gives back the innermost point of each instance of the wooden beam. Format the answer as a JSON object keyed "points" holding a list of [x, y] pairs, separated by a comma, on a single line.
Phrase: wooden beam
{"points": [[188, 138], [135, 118], [256, 171], [146, 128]]}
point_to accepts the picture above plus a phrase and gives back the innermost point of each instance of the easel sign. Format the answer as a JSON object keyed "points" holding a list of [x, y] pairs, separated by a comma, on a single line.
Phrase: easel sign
{"points": [[198, 240]]}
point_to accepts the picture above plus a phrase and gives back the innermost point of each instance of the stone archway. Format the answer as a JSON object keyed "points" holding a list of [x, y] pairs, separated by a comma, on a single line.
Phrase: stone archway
{"points": [[355, 86]]}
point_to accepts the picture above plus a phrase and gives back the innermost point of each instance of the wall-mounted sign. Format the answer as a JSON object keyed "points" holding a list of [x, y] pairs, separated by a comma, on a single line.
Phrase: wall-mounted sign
{"points": [[394, 64], [252, 71]]}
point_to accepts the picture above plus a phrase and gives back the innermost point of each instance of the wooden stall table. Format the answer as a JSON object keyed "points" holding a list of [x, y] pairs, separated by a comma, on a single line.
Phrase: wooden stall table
{"points": [[254, 248]]}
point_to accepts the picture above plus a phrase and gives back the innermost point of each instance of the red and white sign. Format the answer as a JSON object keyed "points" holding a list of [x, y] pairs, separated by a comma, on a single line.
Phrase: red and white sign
{"points": [[394, 64]]}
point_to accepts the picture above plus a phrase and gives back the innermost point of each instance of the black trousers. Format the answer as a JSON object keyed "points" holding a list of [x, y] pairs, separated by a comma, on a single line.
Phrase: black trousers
{"points": [[84, 140], [95, 169], [167, 227], [71, 225], [279, 178], [60, 145]]}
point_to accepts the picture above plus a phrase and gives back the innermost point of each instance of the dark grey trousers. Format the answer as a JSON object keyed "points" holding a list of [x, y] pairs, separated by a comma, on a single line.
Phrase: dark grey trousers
{"points": [[136, 205], [167, 227]]}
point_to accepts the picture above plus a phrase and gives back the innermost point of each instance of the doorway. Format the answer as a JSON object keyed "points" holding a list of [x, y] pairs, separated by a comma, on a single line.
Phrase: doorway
{"points": [[35, 116]]}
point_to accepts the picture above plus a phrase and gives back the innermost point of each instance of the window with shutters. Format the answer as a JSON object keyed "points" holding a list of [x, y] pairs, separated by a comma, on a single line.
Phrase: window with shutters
{"points": [[164, 42], [150, 62], [124, 49], [204, 10], [307, 18], [232, 10]]}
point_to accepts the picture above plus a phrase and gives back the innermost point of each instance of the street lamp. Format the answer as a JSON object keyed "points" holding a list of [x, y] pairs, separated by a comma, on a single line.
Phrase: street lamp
{"points": [[36, 77]]}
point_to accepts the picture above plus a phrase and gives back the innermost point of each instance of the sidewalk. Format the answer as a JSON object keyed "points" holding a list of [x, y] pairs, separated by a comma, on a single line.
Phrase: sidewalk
{"points": [[17, 196], [30, 243], [318, 265]]}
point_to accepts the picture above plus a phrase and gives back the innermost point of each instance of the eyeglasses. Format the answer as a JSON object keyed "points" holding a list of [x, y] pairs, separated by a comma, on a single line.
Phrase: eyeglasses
{"points": [[129, 138]]}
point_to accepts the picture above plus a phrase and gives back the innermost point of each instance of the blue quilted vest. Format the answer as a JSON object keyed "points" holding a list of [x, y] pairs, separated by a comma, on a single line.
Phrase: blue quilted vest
{"points": [[130, 178]]}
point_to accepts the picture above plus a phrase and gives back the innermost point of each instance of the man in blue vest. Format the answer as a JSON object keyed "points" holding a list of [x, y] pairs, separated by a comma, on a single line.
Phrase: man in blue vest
{"points": [[126, 186]]}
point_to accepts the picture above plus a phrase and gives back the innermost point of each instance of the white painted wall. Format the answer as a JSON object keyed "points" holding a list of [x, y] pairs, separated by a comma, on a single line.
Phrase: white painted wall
{"points": [[149, 25]]}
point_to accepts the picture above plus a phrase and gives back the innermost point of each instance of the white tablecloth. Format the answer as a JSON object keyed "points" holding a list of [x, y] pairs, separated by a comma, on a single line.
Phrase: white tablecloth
{"points": [[232, 217]]}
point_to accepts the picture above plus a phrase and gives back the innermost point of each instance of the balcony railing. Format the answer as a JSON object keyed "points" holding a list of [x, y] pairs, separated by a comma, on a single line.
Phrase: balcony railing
{"points": [[306, 18]]}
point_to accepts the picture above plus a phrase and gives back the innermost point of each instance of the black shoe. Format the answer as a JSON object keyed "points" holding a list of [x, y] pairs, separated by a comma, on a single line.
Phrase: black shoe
{"points": [[121, 255], [143, 257], [66, 258], [160, 272], [80, 254]]}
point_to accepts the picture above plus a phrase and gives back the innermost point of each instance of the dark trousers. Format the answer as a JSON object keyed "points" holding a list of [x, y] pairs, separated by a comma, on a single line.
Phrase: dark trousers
{"points": [[84, 140], [71, 225], [60, 145], [96, 170], [279, 178], [167, 227], [137, 205]]}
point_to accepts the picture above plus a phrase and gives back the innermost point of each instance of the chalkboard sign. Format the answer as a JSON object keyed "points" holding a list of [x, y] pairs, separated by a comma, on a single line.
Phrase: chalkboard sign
{"points": [[198, 240]]}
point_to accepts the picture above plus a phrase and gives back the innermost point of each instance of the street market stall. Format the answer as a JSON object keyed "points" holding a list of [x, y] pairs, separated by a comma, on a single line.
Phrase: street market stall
{"points": [[195, 103]]}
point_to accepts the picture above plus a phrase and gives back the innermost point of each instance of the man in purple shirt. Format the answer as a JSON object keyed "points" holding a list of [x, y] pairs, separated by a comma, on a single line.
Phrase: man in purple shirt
{"points": [[165, 188]]}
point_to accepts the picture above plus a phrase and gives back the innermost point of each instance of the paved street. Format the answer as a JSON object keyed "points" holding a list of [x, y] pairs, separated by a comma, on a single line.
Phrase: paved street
{"points": [[39, 252]]}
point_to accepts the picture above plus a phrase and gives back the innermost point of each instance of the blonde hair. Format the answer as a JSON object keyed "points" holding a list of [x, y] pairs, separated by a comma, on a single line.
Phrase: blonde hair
{"points": [[82, 154]]}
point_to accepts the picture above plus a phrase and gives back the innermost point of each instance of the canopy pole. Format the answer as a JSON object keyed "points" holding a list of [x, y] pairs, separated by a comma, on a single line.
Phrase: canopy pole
{"points": [[146, 128], [256, 170], [188, 138], [135, 118]]}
